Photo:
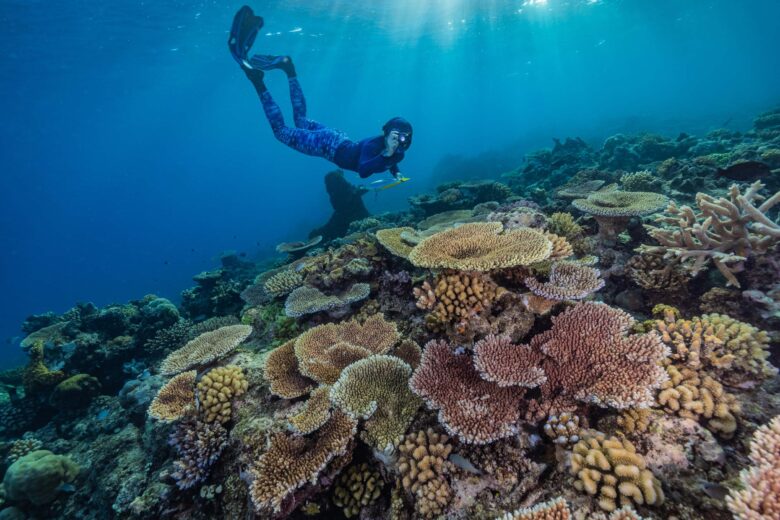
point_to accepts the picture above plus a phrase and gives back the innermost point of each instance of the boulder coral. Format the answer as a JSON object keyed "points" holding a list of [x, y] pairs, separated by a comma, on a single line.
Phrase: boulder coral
{"points": [[38, 477]]}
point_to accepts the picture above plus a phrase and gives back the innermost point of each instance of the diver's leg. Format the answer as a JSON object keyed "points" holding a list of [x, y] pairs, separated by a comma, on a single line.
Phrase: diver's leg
{"points": [[272, 111], [299, 107]]}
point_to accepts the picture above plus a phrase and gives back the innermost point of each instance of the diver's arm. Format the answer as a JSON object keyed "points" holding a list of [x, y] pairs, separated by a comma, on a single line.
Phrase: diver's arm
{"points": [[394, 171]]}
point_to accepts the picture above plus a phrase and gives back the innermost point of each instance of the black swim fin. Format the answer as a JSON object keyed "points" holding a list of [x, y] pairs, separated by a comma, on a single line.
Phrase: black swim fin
{"points": [[268, 62], [243, 33]]}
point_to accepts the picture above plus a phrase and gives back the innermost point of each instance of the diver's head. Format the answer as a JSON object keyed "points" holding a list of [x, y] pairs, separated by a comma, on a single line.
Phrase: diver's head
{"points": [[404, 129]]}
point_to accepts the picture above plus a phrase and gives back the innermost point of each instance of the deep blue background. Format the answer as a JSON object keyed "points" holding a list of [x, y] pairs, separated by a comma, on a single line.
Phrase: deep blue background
{"points": [[133, 151]]}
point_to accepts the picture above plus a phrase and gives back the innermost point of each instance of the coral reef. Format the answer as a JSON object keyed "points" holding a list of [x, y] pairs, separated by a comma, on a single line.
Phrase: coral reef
{"points": [[568, 281], [563, 429], [422, 468], [309, 300], [206, 348], [282, 283], [199, 445], [759, 496]]}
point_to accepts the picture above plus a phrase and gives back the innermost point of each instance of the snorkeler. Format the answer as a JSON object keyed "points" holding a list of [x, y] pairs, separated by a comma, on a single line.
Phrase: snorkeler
{"points": [[367, 157]]}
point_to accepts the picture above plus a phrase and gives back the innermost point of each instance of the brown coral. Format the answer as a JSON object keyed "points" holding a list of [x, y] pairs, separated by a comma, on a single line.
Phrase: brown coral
{"points": [[634, 420], [568, 281], [613, 210], [611, 470], [475, 410], [653, 273], [561, 248], [282, 283], [356, 488], [481, 246], [759, 497], [392, 240], [564, 224], [175, 398], [216, 390], [324, 351], [291, 461], [205, 348], [281, 371], [313, 413], [422, 465], [457, 296]]}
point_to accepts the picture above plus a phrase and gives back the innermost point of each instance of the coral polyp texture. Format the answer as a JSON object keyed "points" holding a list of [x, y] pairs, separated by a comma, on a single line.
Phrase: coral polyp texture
{"points": [[610, 470], [376, 389], [392, 240], [291, 461], [282, 373], [723, 231], [613, 210], [175, 398], [205, 349], [556, 509], [457, 296], [475, 410], [481, 246], [199, 446], [310, 300], [357, 488], [283, 283], [563, 429], [758, 497], [568, 281], [423, 466], [217, 388]]}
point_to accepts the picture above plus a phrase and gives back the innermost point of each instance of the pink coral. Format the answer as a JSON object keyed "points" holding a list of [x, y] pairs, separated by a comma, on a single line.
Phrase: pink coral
{"points": [[760, 497], [568, 281], [475, 410]]}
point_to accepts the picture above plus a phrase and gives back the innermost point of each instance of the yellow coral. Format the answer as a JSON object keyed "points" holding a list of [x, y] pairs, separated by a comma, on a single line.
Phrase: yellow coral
{"points": [[205, 348], [741, 348], [175, 398], [564, 224], [282, 283], [481, 246], [393, 241], [634, 420], [457, 296], [216, 390], [357, 488], [561, 248], [422, 465], [611, 470]]}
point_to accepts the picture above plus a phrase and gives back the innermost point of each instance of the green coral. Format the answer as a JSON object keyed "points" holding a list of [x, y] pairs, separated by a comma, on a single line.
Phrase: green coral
{"points": [[38, 477], [37, 376], [75, 392]]}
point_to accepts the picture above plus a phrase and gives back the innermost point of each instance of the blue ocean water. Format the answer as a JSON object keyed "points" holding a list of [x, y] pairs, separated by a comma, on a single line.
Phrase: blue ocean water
{"points": [[133, 150]]}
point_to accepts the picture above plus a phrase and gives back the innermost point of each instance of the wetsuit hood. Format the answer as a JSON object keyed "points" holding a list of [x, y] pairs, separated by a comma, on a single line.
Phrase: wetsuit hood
{"points": [[402, 125]]}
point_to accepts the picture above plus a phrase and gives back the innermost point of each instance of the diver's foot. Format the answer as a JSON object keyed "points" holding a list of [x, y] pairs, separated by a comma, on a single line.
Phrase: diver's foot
{"points": [[256, 76], [268, 62]]}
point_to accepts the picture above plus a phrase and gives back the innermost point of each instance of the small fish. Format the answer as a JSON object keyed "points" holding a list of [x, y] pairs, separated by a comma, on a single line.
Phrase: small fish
{"points": [[716, 491], [464, 463], [745, 171]]}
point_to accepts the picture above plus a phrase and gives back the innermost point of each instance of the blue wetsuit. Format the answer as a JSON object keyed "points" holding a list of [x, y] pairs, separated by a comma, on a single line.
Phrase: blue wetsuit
{"points": [[315, 139]]}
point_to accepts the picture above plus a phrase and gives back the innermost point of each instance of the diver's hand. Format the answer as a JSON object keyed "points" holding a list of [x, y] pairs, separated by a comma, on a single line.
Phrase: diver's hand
{"points": [[391, 143]]}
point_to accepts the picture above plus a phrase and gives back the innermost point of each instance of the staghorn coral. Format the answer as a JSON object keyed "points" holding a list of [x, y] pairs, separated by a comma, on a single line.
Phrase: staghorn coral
{"points": [[204, 349], [313, 413], [356, 488], [324, 351], [690, 394], [641, 181], [611, 470], [376, 389], [282, 372], [759, 496], [555, 509], [634, 420], [481, 246], [586, 356], [457, 296], [217, 388], [651, 272], [292, 460], [175, 398], [392, 240], [21, 447], [475, 410], [199, 445], [282, 283], [613, 210], [568, 281], [563, 429], [309, 300], [724, 231], [423, 466], [564, 224]]}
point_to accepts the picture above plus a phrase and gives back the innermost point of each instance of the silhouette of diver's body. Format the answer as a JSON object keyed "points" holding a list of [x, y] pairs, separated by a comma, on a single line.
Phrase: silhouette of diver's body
{"points": [[367, 157]]}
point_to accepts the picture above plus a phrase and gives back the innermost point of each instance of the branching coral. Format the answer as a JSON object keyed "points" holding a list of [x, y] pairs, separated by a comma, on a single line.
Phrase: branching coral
{"points": [[481, 246], [561, 248], [641, 181], [205, 348], [21, 447], [475, 410], [634, 420], [216, 390], [282, 283], [376, 389], [586, 355], [457, 296], [423, 465], [611, 470], [282, 372], [563, 429], [555, 509], [392, 240], [568, 281], [564, 224], [199, 445], [613, 210], [292, 460], [653, 273], [175, 398], [324, 351], [309, 300], [723, 231], [759, 497], [357, 488]]}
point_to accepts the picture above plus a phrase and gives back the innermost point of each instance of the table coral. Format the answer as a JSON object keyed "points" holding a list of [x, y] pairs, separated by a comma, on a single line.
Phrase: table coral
{"points": [[324, 351], [313, 413], [759, 496], [376, 389], [475, 410], [282, 283], [291, 461], [568, 281], [310, 300], [38, 477], [481, 246], [282, 372], [216, 390], [641, 181], [205, 348], [613, 210], [724, 231], [199, 445], [357, 488], [175, 398], [611, 470]]}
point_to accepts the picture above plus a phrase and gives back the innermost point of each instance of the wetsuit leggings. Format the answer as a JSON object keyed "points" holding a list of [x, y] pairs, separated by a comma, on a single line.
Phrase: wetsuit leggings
{"points": [[308, 137]]}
